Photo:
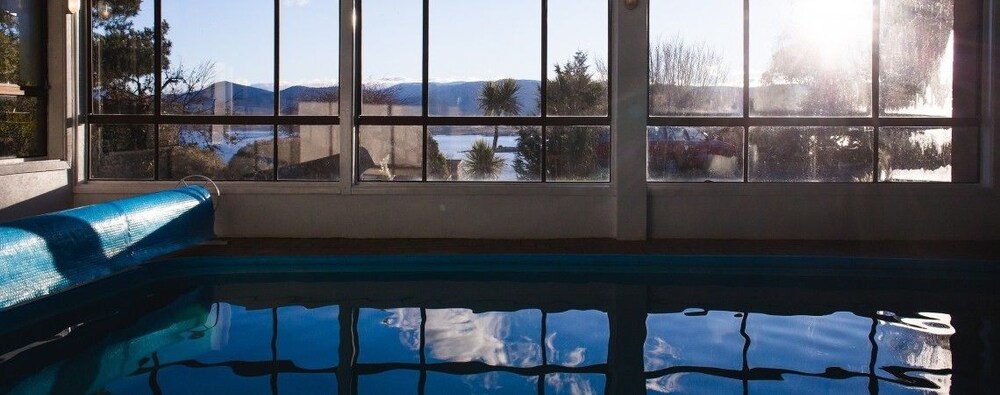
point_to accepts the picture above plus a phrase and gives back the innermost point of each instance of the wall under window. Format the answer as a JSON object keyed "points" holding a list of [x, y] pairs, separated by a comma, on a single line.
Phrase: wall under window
{"points": [[809, 152]]}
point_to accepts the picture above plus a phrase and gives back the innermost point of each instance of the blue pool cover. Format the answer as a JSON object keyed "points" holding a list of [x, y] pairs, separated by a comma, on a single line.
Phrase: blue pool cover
{"points": [[48, 253]]}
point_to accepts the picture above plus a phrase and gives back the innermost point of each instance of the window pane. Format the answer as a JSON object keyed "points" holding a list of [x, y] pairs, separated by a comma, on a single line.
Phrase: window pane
{"points": [[695, 154], [20, 132], [917, 50], [391, 57], [809, 344], [692, 384], [466, 153], [390, 153], [795, 384], [810, 154], [309, 338], [124, 77], [390, 335], [810, 57], [395, 382], [694, 338], [222, 152], [696, 57], [21, 32], [578, 153], [310, 57], [576, 338], [574, 383], [122, 152], [308, 383], [180, 379], [485, 57], [219, 57], [309, 152], [493, 338], [577, 57], [501, 383], [915, 154]]}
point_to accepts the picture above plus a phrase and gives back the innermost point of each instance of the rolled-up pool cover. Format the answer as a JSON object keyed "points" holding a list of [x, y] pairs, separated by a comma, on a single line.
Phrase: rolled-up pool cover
{"points": [[47, 253]]}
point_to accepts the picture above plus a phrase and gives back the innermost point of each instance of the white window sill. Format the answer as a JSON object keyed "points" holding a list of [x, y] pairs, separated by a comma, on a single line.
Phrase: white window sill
{"points": [[819, 189], [371, 188], [231, 188], [483, 188], [25, 166]]}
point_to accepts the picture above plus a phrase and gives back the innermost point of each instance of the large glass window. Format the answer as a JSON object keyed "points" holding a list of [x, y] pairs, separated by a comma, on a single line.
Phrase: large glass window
{"points": [[813, 91], [22, 79], [513, 91], [452, 91], [234, 89]]}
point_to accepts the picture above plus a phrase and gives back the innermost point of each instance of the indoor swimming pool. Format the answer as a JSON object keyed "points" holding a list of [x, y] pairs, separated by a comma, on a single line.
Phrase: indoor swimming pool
{"points": [[278, 326]]}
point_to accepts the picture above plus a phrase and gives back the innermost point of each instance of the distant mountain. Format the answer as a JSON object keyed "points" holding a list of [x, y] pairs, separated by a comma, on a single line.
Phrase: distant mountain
{"points": [[461, 98], [446, 99]]}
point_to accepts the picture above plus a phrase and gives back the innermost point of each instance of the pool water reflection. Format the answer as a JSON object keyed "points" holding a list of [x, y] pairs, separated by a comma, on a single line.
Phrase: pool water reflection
{"points": [[437, 338]]}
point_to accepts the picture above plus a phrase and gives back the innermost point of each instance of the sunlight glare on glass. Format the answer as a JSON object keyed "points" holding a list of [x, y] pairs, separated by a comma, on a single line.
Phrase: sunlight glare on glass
{"points": [[835, 29]]}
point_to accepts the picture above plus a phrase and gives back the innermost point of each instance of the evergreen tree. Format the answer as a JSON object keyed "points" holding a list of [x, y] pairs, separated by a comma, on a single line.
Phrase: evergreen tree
{"points": [[571, 151]]}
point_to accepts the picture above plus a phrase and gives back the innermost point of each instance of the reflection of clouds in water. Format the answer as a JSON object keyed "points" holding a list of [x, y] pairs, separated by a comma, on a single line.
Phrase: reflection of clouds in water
{"points": [[460, 335], [572, 384], [408, 322], [661, 355], [571, 359], [665, 384]]}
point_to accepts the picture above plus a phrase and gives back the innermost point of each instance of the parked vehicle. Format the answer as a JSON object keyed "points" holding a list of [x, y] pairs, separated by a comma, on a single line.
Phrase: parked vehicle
{"points": [[674, 149]]}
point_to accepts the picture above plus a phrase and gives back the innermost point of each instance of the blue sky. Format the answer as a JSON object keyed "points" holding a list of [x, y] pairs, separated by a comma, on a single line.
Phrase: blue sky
{"points": [[470, 39]]}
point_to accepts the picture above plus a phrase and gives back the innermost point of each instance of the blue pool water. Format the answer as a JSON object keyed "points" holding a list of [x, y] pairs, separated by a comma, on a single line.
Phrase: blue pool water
{"points": [[542, 334]]}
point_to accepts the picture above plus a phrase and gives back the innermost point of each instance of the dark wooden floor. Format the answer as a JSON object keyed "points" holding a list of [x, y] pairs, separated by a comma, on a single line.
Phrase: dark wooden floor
{"points": [[976, 250]]}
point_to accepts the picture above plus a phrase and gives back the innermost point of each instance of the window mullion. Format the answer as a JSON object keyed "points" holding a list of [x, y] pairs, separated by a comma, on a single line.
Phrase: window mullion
{"points": [[629, 114], [348, 57]]}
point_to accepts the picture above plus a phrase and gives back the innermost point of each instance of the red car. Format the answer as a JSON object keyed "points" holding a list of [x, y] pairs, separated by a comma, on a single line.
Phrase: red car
{"points": [[673, 149]]}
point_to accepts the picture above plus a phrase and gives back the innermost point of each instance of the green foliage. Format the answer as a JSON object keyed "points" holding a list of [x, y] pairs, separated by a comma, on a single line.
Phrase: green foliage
{"points": [[123, 56], [482, 163], [571, 152], [437, 164], [19, 135], [574, 90], [813, 154], [899, 150], [252, 162], [185, 160], [499, 98], [9, 48], [528, 160]]}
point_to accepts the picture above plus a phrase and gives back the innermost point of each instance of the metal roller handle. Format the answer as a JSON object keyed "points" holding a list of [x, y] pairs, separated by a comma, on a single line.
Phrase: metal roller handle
{"points": [[205, 181]]}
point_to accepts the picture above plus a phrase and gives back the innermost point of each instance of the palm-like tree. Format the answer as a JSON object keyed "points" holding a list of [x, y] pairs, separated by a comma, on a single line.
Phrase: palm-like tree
{"points": [[497, 99], [481, 162]]}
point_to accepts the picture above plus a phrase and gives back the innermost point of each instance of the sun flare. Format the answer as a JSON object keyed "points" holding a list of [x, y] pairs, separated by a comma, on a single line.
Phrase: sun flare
{"points": [[835, 29]]}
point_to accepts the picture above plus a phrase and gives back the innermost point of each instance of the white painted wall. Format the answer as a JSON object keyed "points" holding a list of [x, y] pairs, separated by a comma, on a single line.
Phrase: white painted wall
{"points": [[34, 188]]}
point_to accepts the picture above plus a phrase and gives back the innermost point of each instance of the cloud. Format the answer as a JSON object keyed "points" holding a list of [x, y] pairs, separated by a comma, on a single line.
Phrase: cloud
{"points": [[572, 384], [295, 3]]}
